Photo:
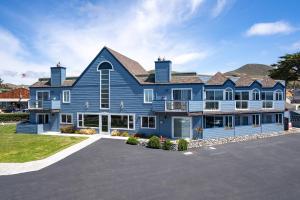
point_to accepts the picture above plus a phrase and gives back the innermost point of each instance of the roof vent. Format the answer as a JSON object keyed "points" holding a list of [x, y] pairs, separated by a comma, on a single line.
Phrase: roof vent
{"points": [[159, 58], [58, 64]]}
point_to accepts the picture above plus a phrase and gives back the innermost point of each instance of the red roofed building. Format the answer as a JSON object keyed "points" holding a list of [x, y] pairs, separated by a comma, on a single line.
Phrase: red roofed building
{"points": [[14, 100]]}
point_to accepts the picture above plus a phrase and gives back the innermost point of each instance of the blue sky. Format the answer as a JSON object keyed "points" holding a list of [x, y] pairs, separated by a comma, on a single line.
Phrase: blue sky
{"points": [[205, 36]]}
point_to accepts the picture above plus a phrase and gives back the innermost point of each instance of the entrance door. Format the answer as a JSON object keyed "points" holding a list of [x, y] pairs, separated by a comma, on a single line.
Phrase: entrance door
{"points": [[182, 127], [104, 124]]}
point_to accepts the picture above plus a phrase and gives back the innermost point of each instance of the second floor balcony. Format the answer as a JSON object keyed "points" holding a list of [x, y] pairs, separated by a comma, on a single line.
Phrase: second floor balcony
{"points": [[217, 106], [44, 104]]}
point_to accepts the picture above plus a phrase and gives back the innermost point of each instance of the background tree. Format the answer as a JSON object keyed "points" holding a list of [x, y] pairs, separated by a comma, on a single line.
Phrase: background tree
{"points": [[1, 81], [287, 68]]}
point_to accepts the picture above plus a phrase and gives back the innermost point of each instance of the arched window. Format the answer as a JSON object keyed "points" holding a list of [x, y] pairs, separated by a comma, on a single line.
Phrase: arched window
{"points": [[228, 94], [278, 95], [255, 95], [105, 68]]}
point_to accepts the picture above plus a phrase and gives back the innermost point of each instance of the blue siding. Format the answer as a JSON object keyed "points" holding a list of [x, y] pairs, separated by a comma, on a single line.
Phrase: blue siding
{"points": [[58, 75], [210, 133], [163, 71]]}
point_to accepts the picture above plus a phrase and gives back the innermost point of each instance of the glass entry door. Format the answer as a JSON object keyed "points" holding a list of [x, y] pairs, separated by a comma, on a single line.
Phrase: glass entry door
{"points": [[104, 125], [182, 127]]}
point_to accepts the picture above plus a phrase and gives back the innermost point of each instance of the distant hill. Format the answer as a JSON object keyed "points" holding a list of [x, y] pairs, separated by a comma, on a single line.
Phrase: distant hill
{"points": [[252, 70]]}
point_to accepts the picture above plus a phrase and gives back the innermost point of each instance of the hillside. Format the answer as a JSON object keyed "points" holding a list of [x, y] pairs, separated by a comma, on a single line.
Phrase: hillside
{"points": [[252, 70]]}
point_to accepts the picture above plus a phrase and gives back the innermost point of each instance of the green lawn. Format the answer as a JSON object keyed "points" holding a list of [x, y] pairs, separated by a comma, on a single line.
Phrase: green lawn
{"points": [[28, 147]]}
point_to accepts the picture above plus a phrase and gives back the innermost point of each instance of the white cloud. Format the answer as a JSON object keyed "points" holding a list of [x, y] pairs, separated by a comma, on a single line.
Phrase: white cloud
{"points": [[295, 46], [142, 31], [219, 7], [188, 57], [270, 28]]}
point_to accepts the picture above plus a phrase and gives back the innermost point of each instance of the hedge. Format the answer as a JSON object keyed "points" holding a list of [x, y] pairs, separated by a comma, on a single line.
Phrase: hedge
{"points": [[13, 117]]}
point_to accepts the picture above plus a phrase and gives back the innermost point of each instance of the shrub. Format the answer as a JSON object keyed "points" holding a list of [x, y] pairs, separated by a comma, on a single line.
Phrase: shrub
{"points": [[87, 131], [151, 135], [13, 117], [124, 134], [167, 145], [139, 135], [182, 145], [132, 140], [67, 129], [154, 142], [115, 133]]}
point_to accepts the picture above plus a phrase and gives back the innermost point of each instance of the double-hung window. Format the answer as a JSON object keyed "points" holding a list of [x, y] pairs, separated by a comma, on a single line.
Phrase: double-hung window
{"points": [[228, 94], [66, 96], [255, 95], [148, 95], [255, 120], [278, 118], [212, 99], [278, 95], [241, 99], [148, 122], [267, 98], [66, 118]]}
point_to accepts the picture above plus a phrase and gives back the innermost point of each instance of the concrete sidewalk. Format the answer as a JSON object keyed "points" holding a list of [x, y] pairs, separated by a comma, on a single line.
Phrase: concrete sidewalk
{"points": [[17, 168]]}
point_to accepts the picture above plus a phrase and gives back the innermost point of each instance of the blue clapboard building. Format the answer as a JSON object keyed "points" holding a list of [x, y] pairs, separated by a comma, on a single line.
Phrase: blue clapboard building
{"points": [[115, 92]]}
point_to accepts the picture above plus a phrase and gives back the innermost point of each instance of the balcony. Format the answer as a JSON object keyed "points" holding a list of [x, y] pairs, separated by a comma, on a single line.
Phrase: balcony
{"points": [[177, 106], [44, 105]]}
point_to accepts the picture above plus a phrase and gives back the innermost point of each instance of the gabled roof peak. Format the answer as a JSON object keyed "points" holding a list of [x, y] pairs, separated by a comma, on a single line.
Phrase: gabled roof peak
{"points": [[217, 79], [244, 80]]}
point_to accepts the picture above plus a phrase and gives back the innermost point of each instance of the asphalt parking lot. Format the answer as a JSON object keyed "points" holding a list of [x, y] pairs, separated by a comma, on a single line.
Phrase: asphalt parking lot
{"points": [[110, 169]]}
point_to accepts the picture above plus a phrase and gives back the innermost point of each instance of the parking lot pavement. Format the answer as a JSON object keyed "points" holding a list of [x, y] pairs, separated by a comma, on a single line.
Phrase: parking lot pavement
{"points": [[110, 169]]}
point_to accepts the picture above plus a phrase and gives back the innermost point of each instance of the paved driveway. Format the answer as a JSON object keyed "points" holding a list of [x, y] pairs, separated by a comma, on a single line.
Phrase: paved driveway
{"points": [[109, 169]]}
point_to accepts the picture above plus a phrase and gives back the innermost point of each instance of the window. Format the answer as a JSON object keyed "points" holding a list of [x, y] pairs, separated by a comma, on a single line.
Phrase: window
{"points": [[66, 96], [278, 118], [122, 121], [42, 118], [241, 120], [228, 121], [228, 94], [148, 122], [255, 95], [104, 88], [43, 95], [241, 98], [213, 121], [267, 98], [66, 118], [255, 120], [278, 95], [88, 120], [148, 95], [182, 94], [212, 99], [267, 119]]}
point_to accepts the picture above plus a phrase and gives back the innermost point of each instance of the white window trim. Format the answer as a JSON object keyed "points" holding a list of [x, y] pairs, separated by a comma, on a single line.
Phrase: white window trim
{"points": [[100, 85], [146, 102], [259, 120], [225, 91], [37, 117], [126, 114], [219, 101], [281, 118], [87, 113], [242, 100], [258, 94], [148, 121], [232, 123], [63, 98], [278, 91], [71, 114], [191, 89], [191, 125], [36, 93]]}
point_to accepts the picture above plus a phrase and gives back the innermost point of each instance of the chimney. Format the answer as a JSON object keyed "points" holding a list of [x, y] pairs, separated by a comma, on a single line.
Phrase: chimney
{"points": [[163, 70], [58, 75]]}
